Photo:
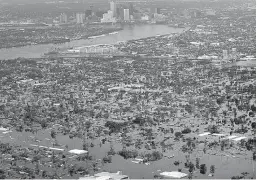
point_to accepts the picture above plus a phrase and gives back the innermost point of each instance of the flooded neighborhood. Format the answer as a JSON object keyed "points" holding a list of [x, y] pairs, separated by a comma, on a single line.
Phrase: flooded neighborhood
{"points": [[171, 96]]}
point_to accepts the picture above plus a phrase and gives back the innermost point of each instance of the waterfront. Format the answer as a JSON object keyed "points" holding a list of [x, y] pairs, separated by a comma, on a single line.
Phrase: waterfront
{"points": [[129, 32]]}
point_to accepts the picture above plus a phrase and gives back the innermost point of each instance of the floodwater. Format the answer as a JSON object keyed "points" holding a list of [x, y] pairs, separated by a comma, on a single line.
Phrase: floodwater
{"points": [[129, 32], [225, 166]]}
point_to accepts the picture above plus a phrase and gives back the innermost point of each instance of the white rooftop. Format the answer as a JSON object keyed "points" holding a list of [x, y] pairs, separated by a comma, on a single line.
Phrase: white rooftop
{"points": [[5, 132], [77, 151], [173, 174], [239, 138], [204, 134], [3, 129]]}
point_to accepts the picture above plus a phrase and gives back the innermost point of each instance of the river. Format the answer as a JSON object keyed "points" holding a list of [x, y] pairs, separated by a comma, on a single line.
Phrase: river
{"points": [[129, 32]]}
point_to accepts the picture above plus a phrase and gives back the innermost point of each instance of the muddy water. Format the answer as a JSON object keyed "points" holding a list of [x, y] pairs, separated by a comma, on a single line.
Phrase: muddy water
{"points": [[226, 167]]}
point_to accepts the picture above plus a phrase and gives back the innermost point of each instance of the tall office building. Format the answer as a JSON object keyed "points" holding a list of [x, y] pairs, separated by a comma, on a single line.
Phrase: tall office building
{"points": [[63, 18], [126, 15], [120, 12], [131, 9], [113, 8], [157, 11], [79, 18], [234, 53], [88, 13], [108, 18]]}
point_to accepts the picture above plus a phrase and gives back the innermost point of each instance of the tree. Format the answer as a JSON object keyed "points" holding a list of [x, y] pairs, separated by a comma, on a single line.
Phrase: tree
{"points": [[213, 129], [222, 145], [44, 174], [188, 108], [126, 154], [191, 167], [190, 176], [85, 146], [186, 131], [111, 152], [37, 170], [253, 125], [2, 174], [171, 130], [212, 169], [176, 163], [253, 108], [107, 159], [43, 124], [36, 158], [53, 134], [19, 128], [71, 170], [203, 169], [178, 134], [197, 163]]}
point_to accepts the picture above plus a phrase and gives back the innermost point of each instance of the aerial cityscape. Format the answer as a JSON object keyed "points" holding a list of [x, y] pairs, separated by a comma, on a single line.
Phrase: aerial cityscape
{"points": [[127, 89]]}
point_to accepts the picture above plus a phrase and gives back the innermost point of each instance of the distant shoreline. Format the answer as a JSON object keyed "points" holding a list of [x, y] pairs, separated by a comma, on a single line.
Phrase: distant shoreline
{"points": [[65, 40]]}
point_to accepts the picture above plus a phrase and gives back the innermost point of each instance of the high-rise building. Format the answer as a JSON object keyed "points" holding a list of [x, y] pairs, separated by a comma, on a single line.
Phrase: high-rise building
{"points": [[120, 12], [113, 8], [126, 15], [88, 13], [157, 10], [63, 18], [234, 53], [108, 18], [131, 9], [79, 18]]}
